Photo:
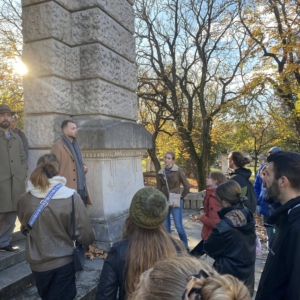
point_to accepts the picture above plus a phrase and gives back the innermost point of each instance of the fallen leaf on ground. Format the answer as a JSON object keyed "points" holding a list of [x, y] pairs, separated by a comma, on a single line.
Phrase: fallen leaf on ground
{"points": [[95, 252]]}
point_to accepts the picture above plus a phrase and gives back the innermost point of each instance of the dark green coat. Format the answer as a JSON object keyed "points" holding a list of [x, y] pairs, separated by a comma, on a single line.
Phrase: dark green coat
{"points": [[13, 171]]}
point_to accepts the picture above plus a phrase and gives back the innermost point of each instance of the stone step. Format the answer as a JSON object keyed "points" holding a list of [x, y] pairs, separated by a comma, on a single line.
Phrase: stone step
{"points": [[86, 282], [14, 279], [8, 259]]}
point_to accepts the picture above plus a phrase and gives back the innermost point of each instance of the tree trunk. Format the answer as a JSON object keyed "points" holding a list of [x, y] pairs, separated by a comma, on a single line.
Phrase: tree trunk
{"points": [[153, 156], [205, 153], [201, 164], [255, 162]]}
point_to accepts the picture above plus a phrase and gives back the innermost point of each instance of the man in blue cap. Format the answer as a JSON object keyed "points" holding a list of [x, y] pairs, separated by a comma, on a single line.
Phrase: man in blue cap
{"points": [[264, 208]]}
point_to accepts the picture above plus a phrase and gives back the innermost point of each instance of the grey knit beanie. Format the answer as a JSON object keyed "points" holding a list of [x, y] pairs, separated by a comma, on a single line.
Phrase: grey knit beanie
{"points": [[148, 208]]}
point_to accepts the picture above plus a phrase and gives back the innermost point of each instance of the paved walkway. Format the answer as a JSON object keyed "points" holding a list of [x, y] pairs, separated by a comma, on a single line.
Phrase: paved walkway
{"points": [[193, 230]]}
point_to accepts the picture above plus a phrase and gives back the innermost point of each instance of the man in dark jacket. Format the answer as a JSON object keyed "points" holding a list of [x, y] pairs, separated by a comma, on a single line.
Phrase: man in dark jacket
{"points": [[240, 174], [280, 278], [265, 208]]}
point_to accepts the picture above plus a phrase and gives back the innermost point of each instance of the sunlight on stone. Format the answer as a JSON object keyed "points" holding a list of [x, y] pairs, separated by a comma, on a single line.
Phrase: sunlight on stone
{"points": [[20, 67]]}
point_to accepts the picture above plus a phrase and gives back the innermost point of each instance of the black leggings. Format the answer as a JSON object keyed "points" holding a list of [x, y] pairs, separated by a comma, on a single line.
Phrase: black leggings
{"points": [[56, 284]]}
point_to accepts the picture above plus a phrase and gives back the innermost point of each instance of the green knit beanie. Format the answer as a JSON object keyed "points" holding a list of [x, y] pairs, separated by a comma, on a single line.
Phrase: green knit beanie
{"points": [[148, 208]]}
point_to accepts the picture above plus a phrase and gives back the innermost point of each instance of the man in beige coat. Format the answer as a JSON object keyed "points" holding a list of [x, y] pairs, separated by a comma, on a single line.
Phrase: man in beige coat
{"points": [[69, 154], [13, 171]]}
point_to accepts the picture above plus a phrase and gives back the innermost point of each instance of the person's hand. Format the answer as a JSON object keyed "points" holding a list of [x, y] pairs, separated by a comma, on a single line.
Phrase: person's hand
{"points": [[85, 169]]}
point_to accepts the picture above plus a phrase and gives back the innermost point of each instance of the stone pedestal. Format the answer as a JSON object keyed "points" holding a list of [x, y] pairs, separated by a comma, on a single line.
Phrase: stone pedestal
{"points": [[81, 60]]}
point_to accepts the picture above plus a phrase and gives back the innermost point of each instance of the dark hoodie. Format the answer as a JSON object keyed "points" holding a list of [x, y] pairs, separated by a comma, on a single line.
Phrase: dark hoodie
{"points": [[232, 244], [242, 176], [280, 278]]}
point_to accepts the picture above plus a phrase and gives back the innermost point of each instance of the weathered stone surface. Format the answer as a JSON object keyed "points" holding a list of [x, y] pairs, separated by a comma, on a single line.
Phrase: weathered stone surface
{"points": [[109, 232], [50, 94], [15, 278], [86, 283], [46, 20], [121, 10], [98, 61], [111, 191], [51, 57], [65, 3], [43, 130], [102, 134], [98, 97], [94, 25], [33, 157], [117, 180]]}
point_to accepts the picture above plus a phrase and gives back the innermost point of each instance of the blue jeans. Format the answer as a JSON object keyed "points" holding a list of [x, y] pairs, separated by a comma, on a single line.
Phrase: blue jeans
{"points": [[177, 217]]}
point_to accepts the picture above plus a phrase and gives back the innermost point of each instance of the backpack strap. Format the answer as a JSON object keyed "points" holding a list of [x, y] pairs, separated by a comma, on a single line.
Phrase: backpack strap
{"points": [[43, 204]]}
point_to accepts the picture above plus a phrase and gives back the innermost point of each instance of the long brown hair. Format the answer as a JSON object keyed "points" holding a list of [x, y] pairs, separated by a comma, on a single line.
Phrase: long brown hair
{"points": [[168, 280], [146, 246], [229, 191], [48, 166], [218, 176], [239, 159]]}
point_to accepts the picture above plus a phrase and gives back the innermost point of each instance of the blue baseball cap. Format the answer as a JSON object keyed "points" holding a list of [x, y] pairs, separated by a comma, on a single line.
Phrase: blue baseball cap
{"points": [[274, 149]]}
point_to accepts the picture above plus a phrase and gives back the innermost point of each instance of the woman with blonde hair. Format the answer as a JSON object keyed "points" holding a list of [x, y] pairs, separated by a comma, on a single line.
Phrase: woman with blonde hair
{"points": [[173, 279], [232, 243], [45, 214], [145, 241], [170, 179]]}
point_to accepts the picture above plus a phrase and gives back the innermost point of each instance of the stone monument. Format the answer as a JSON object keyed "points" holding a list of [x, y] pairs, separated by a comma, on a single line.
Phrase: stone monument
{"points": [[81, 60]]}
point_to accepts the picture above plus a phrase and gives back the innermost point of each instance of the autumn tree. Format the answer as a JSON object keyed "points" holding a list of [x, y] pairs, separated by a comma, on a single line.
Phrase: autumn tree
{"points": [[273, 27], [254, 129], [197, 54], [11, 44]]}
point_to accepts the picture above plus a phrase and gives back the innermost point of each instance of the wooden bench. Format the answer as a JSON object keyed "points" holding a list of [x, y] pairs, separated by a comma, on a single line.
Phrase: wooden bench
{"points": [[194, 200]]}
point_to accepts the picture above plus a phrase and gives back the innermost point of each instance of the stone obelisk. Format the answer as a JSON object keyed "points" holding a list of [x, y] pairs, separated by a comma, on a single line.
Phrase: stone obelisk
{"points": [[81, 60]]}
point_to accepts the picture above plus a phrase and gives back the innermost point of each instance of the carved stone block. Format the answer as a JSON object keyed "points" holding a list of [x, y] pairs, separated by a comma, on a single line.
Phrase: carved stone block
{"points": [[95, 96], [43, 130], [46, 20], [94, 25], [49, 94], [120, 10], [51, 57], [98, 61]]}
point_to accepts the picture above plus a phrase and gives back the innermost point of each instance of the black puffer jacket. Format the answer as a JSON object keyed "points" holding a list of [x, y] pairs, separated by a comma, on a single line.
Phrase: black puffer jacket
{"points": [[242, 176], [280, 278], [232, 244], [112, 275]]}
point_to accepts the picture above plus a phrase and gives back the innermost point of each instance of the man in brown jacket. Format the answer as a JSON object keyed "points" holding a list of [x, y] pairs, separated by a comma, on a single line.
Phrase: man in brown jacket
{"points": [[13, 171], [69, 154]]}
